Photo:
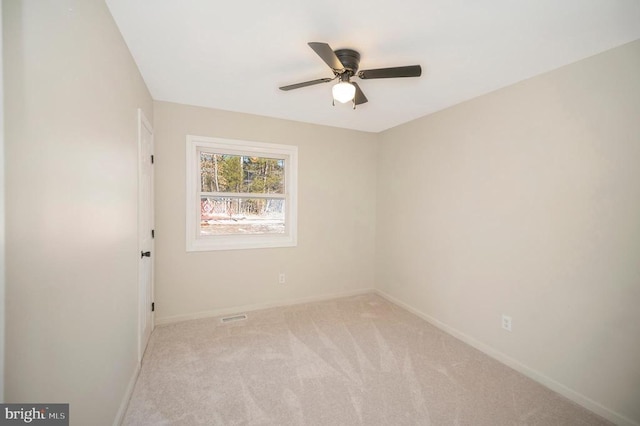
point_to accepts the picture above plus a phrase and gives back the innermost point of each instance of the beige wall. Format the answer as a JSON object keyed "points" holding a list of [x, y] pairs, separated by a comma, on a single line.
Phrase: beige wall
{"points": [[72, 93], [336, 198], [526, 202]]}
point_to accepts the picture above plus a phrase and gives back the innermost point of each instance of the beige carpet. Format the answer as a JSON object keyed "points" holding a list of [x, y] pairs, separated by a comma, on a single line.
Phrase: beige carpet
{"points": [[352, 361]]}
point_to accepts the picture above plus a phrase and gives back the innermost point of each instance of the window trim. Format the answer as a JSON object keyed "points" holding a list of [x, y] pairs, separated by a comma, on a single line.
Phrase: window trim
{"points": [[196, 242]]}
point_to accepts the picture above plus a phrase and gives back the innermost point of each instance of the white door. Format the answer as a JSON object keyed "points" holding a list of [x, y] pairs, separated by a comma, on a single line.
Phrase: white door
{"points": [[145, 231]]}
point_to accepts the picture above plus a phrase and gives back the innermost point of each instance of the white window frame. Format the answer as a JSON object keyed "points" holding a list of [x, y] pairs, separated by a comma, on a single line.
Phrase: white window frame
{"points": [[289, 153]]}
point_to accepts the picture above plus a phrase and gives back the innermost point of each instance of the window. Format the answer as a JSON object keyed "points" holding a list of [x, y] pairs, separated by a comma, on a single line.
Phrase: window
{"points": [[240, 194]]}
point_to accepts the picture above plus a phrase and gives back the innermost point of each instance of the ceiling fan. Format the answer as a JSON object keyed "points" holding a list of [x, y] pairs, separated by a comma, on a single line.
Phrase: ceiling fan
{"points": [[344, 64]]}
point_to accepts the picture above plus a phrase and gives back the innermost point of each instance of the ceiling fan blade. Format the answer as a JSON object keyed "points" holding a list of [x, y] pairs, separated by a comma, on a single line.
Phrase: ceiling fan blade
{"points": [[409, 71], [327, 54], [359, 98], [306, 83]]}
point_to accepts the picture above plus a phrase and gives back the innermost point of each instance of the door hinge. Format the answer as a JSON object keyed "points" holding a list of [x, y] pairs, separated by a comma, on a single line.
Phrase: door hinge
{"points": [[152, 159], [153, 306], [153, 233]]}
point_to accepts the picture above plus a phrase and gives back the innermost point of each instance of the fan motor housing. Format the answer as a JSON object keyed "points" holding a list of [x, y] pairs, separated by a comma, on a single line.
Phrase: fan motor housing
{"points": [[350, 59]]}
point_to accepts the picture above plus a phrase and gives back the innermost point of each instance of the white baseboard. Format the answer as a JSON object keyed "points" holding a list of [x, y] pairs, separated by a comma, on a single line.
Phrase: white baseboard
{"points": [[574, 396], [258, 306], [127, 396]]}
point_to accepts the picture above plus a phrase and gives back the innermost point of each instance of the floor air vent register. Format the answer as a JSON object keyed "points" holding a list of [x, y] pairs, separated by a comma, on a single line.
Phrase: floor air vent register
{"points": [[234, 318]]}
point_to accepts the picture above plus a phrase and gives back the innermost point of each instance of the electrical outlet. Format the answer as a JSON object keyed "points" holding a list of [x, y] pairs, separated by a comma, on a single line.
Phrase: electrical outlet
{"points": [[281, 278], [506, 322]]}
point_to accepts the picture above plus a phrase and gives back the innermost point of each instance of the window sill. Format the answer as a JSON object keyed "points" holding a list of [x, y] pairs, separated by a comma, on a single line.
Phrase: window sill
{"points": [[239, 242]]}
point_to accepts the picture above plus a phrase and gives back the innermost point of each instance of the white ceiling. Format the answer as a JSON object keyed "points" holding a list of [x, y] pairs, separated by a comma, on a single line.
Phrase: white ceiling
{"points": [[233, 55]]}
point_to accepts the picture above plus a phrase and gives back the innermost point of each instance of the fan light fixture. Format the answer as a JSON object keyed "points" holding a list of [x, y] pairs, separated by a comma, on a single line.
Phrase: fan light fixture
{"points": [[344, 92]]}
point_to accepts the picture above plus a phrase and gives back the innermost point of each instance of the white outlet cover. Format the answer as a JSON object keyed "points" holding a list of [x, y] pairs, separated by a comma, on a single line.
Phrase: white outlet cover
{"points": [[506, 322]]}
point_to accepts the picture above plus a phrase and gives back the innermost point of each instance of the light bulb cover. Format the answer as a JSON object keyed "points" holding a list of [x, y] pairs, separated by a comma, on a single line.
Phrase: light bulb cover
{"points": [[343, 92]]}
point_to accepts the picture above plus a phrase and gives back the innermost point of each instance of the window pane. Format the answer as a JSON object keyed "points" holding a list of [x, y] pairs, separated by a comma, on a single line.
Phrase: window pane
{"points": [[240, 173], [220, 216]]}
